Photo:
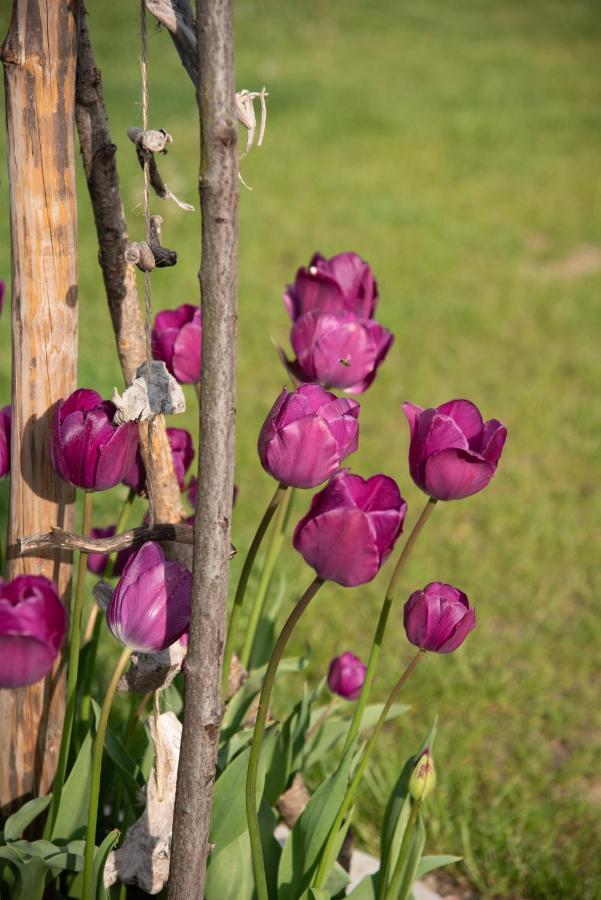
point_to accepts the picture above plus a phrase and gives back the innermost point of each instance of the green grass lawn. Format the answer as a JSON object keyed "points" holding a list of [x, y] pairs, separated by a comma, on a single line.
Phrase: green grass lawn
{"points": [[456, 147]]}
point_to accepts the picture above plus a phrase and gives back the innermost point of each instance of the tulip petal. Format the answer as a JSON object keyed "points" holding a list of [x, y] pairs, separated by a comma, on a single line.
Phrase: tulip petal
{"points": [[412, 412], [460, 632], [493, 440], [304, 453], [447, 592], [466, 416], [187, 357], [23, 660], [339, 545], [454, 474]]}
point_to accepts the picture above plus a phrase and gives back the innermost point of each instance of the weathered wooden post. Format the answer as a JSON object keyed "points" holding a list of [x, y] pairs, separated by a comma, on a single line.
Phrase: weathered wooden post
{"points": [[39, 57]]}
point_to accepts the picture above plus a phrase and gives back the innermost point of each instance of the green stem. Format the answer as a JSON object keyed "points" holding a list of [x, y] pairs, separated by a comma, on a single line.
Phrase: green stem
{"points": [[326, 857], [242, 583], [399, 870], [72, 670], [196, 387], [273, 552], [89, 889], [255, 749], [134, 717], [374, 654]]}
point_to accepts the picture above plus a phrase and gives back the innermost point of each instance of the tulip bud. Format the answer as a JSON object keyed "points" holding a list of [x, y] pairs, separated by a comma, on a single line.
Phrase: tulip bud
{"points": [[150, 607], [33, 624], [346, 674], [5, 426], [453, 453], [307, 434], [439, 618], [338, 350], [423, 777], [182, 454], [341, 284], [176, 340], [97, 562], [86, 449], [351, 527]]}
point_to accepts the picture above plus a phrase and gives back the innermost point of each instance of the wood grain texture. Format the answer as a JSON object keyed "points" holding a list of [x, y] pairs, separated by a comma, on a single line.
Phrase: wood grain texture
{"points": [[39, 58], [218, 279]]}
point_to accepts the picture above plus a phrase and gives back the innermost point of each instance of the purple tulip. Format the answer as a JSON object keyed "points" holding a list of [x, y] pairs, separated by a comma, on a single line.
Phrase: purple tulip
{"points": [[346, 675], [439, 618], [182, 454], [176, 340], [453, 453], [351, 527], [307, 434], [97, 562], [5, 426], [341, 284], [150, 607], [338, 351], [33, 624], [86, 448]]}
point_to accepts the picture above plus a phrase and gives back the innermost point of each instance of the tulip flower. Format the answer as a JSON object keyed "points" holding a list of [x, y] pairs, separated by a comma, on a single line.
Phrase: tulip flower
{"points": [[176, 340], [5, 426], [33, 624], [97, 562], [182, 454], [346, 674], [150, 607], [453, 453], [341, 284], [307, 434], [439, 618], [86, 448], [423, 777], [351, 527], [338, 350]]}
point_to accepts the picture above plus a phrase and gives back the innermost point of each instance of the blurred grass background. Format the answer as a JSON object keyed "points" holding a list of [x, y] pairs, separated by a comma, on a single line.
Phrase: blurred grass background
{"points": [[456, 147]]}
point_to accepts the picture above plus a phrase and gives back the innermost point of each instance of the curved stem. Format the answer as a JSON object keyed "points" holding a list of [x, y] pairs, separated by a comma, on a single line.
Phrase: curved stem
{"points": [[399, 870], [273, 552], [255, 749], [72, 670], [328, 851], [242, 583], [89, 891], [374, 654]]}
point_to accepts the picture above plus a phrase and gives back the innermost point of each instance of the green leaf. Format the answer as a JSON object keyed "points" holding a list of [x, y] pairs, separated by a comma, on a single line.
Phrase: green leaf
{"points": [[334, 729], [73, 807], [16, 824], [100, 856], [304, 845], [316, 894], [230, 873], [429, 863], [31, 874], [367, 889], [418, 841]]}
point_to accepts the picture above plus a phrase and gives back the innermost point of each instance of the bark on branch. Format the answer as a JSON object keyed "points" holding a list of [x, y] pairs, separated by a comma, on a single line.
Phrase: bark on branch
{"points": [[219, 207]]}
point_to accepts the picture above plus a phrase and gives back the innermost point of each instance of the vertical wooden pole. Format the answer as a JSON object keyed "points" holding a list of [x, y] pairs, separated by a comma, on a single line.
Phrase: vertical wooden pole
{"points": [[39, 57]]}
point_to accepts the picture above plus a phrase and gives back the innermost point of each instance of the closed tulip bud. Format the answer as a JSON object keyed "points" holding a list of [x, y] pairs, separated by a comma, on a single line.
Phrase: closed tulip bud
{"points": [[439, 618], [341, 284], [182, 454], [338, 350], [87, 450], [307, 434], [5, 426], [346, 674], [453, 453], [423, 778], [33, 624], [97, 562], [176, 340], [150, 607], [351, 528]]}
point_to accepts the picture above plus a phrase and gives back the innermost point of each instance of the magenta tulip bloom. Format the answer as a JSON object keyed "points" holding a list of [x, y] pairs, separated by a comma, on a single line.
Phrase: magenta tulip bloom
{"points": [[150, 607], [341, 284], [453, 453], [351, 527], [338, 351], [182, 454], [5, 425], [439, 618], [307, 434], [346, 675], [33, 624], [176, 340], [97, 561], [87, 450]]}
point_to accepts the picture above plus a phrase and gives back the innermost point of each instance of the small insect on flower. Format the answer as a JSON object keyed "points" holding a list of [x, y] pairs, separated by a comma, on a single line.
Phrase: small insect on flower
{"points": [[345, 362]]}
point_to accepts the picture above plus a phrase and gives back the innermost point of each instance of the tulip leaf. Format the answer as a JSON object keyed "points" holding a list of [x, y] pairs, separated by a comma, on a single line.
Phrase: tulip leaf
{"points": [[16, 824], [73, 807], [367, 889], [32, 872], [230, 872], [334, 729], [316, 894], [418, 841], [429, 863], [127, 768], [302, 850]]}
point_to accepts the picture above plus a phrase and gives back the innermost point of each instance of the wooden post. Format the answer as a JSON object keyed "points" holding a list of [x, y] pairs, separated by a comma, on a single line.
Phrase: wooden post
{"points": [[218, 281], [39, 57]]}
